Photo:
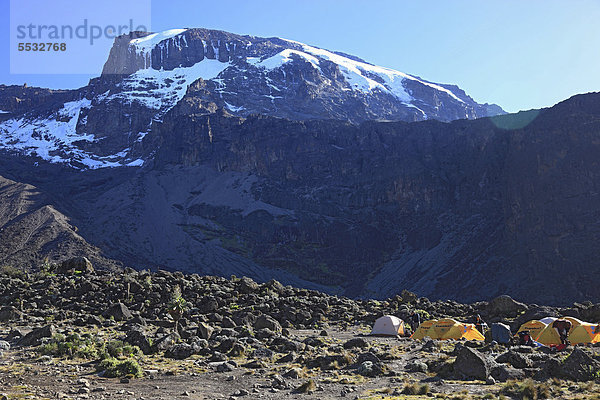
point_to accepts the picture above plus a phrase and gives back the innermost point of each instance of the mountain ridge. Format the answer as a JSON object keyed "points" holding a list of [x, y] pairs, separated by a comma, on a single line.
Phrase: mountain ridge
{"points": [[147, 74], [448, 210], [157, 170]]}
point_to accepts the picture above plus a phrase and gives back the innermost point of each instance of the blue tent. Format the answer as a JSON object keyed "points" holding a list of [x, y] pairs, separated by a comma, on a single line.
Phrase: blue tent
{"points": [[501, 333]]}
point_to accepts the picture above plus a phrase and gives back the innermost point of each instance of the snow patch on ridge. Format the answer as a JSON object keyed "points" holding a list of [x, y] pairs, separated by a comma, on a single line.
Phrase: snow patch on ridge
{"points": [[283, 57], [160, 89], [145, 44], [360, 75], [54, 138]]}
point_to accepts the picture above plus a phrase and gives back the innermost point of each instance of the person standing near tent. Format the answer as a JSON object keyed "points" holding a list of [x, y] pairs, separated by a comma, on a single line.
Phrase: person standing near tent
{"points": [[480, 324], [563, 326], [414, 319]]}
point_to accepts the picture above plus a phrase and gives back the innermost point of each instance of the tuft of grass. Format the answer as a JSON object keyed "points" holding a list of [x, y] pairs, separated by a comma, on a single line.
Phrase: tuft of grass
{"points": [[113, 368], [306, 387], [414, 389], [12, 272], [526, 390]]}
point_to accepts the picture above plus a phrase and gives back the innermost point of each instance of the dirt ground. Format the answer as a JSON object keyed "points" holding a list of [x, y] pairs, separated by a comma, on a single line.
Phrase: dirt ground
{"points": [[27, 375], [24, 374]]}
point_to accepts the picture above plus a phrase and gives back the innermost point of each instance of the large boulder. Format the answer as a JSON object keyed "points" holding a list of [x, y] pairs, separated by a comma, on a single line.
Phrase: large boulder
{"points": [[505, 306], [580, 366], [137, 337], [247, 285], [119, 312], [534, 313], [34, 338], [166, 342], [75, 265], [180, 351], [205, 331], [503, 373], [10, 313], [356, 342], [471, 364], [591, 313], [517, 360], [265, 321]]}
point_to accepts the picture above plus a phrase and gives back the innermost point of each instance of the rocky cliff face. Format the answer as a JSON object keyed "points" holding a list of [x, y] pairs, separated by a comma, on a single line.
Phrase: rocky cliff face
{"points": [[254, 156], [463, 210]]}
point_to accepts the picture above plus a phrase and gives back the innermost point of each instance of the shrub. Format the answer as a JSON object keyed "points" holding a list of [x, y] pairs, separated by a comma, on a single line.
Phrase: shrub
{"points": [[12, 272], [177, 305], [113, 368], [414, 389], [306, 387], [526, 390], [72, 346], [118, 348]]}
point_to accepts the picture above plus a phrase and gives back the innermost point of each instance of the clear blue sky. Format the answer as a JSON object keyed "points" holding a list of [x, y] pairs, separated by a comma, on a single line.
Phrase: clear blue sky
{"points": [[520, 54]]}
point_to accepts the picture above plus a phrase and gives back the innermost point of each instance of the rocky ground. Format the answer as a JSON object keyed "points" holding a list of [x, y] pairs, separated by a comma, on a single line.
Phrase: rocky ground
{"points": [[72, 332]]}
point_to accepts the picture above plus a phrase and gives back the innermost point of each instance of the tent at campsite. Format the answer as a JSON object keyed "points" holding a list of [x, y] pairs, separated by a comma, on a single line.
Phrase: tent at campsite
{"points": [[501, 333], [447, 328], [423, 329], [549, 336], [388, 325], [548, 320], [580, 332], [585, 333], [535, 327]]}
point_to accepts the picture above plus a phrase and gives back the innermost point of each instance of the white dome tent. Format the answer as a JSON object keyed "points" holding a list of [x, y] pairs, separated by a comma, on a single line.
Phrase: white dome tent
{"points": [[388, 325]]}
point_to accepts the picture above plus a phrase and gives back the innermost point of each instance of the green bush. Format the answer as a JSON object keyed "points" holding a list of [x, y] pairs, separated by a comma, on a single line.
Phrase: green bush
{"points": [[72, 346], [114, 368], [76, 346], [118, 348]]}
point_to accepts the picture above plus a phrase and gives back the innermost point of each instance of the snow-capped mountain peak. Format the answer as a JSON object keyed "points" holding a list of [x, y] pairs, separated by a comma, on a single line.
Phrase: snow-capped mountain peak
{"points": [[106, 123]]}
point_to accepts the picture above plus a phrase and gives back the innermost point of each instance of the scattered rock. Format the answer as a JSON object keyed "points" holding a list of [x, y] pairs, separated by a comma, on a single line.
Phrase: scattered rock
{"points": [[472, 364], [10, 313], [247, 285], [180, 351], [34, 338], [517, 360], [417, 366], [136, 337], [505, 306], [356, 342], [265, 321], [118, 311], [205, 331], [165, 342], [75, 265]]}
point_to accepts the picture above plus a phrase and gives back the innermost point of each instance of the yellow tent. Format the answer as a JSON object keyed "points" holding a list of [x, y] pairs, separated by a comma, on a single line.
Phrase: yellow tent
{"points": [[549, 336], [534, 327], [423, 330], [585, 333], [447, 329], [574, 322]]}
